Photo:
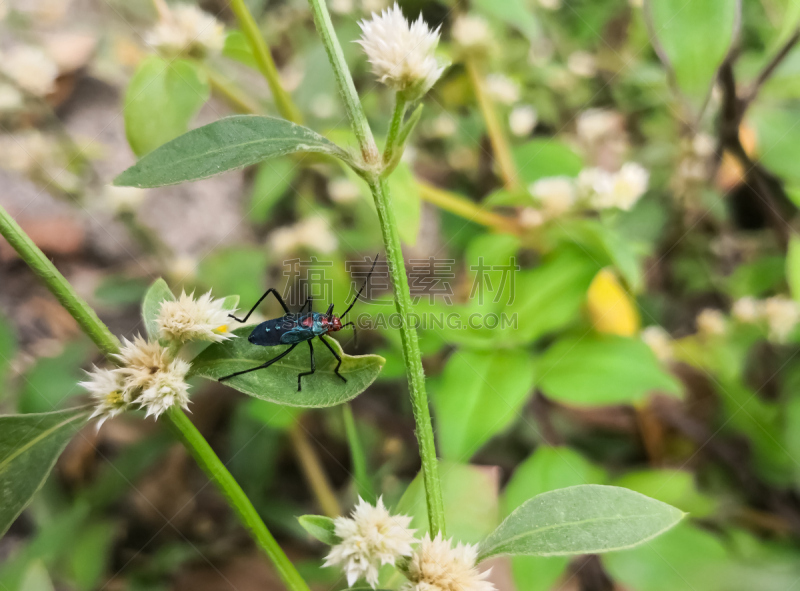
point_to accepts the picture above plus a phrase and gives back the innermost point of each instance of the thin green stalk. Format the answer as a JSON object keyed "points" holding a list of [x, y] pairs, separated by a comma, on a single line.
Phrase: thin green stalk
{"points": [[355, 112], [234, 95], [358, 458], [460, 206], [412, 356], [57, 284], [392, 143], [394, 257], [266, 64], [109, 345], [313, 471], [218, 473], [497, 137]]}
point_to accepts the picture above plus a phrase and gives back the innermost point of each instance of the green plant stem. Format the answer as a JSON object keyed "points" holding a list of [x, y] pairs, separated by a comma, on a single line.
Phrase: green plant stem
{"points": [[460, 206], [412, 356], [392, 144], [358, 458], [109, 345], [266, 64], [355, 112], [218, 473], [497, 137], [57, 284], [312, 469], [236, 98], [394, 257]]}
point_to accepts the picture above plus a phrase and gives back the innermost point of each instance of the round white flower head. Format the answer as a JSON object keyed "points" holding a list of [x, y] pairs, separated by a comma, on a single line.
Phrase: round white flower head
{"points": [[782, 315], [502, 89], [630, 183], [596, 124], [189, 319], [401, 53], [185, 29], [314, 233], [107, 388], [748, 310], [11, 99], [659, 342], [582, 63], [151, 378], [31, 68], [472, 33], [369, 538], [530, 217], [124, 199], [556, 194], [711, 322], [550, 4], [342, 6], [343, 190], [522, 120], [437, 566]]}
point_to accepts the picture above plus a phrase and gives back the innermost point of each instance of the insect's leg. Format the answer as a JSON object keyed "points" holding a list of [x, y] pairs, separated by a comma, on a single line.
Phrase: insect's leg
{"points": [[308, 303], [339, 359], [355, 334], [263, 366], [272, 291], [313, 365]]}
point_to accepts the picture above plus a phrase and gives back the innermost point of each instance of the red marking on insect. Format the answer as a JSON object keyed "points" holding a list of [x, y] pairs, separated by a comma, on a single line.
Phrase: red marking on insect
{"points": [[307, 322], [337, 324]]}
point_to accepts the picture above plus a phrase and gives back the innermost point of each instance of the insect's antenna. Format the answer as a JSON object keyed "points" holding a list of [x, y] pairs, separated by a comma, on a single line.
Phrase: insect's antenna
{"points": [[353, 303]]}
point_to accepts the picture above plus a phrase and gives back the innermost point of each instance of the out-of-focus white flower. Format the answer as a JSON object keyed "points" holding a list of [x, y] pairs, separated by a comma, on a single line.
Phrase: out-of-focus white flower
{"points": [[124, 199], [342, 6], [185, 29], [463, 159], [541, 52], [659, 341], [472, 33], [595, 124], [31, 68], [522, 120], [370, 538], [550, 4], [189, 319], [443, 126], [373, 5], [636, 3], [11, 99], [530, 217], [107, 389], [782, 316], [502, 89], [556, 194], [703, 145], [748, 310], [25, 152], [343, 190], [711, 322], [622, 189], [437, 566], [401, 53], [314, 233], [183, 267], [323, 106], [151, 377], [583, 64]]}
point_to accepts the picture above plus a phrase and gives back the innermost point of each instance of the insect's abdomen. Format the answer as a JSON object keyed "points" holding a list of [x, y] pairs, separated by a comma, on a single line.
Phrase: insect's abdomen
{"points": [[269, 333]]}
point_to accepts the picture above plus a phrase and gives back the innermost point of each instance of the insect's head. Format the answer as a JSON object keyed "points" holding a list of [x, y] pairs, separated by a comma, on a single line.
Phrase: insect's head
{"points": [[336, 324]]}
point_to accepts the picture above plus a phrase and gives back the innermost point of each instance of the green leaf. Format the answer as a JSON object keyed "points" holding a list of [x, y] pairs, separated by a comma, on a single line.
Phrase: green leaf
{"points": [[8, 346], [548, 468], [693, 38], [238, 270], [406, 202], [237, 48], [227, 144], [278, 383], [585, 519], [514, 13], [53, 380], [29, 447], [480, 394], [793, 267], [273, 179], [470, 501], [162, 99], [157, 293], [602, 369], [674, 487], [541, 158], [90, 553], [320, 527]]}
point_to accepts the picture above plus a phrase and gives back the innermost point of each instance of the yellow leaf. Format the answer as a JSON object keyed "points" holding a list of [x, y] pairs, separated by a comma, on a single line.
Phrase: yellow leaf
{"points": [[611, 309]]}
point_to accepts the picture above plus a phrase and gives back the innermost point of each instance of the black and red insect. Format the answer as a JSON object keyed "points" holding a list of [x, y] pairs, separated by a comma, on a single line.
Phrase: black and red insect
{"points": [[293, 329]]}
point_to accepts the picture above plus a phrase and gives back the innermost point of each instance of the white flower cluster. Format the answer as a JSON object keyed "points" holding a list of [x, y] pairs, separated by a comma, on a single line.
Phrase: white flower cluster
{"points": [[594, 188], [401, 53], [711, 322], [372, 537], [149, 375], [659, 342], [185, 29], [313, 232], [471, 33], [780, 315], [31, 68]]}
